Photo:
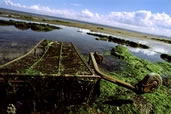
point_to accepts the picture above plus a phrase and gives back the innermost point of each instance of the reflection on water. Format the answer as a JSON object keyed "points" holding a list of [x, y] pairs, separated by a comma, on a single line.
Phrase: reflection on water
{"points": [[14, 42], [156, 46], [144, 51], [160, 49], [146, 54], [143, 42], [25, 39]]}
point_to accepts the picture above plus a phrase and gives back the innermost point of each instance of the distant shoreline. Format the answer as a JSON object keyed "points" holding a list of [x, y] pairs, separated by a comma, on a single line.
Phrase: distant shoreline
{"points": [[71, 23]]}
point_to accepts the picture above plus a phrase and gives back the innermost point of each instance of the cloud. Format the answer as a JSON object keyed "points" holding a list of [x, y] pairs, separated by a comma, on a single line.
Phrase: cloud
{"points": [[86, 13], [9, 2], [43, 9], [142, 21], [141, 18], [144, 51], [53, 12]]}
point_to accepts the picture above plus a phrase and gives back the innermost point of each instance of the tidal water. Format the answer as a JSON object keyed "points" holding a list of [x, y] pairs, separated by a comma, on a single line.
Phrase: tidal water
{"points": [[15, 42]]}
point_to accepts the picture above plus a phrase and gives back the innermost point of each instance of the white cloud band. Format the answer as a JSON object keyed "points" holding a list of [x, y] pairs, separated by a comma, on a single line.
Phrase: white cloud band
{"points": [[142, 21]]}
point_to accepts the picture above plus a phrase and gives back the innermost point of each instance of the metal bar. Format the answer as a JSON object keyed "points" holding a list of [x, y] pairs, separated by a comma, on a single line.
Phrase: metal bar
{"points": [[47, 75], [81, 58], [59, 61], [109, 78], [39, 60], [23, 55]]}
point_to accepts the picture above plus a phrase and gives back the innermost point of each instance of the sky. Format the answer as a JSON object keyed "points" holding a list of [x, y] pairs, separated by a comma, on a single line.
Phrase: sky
{"points": [[149, 16]]}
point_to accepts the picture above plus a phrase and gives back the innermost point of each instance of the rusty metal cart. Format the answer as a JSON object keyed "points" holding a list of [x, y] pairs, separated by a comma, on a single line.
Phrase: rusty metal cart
{"points": [[54, 72]]}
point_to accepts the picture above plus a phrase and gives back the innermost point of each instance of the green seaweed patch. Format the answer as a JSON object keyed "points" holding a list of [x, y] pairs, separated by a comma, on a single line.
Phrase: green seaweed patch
{"points": [[162, 40], [100, 28], [160, 101], [61, 22], [27, 17], [128, 43], [31, 71], [165, 69], [119, 41], [113, 99], [103, 39], [24, 26], [136, 67], [42, 27], [166, 74], [4, 23], [166, 57]]}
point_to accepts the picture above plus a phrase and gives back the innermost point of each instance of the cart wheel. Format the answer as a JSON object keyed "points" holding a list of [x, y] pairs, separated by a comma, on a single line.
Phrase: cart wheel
{"points": [[150, 83]]}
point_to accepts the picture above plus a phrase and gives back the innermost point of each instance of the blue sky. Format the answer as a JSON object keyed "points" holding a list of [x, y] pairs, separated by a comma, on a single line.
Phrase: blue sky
{"points": [[151, 16], [102, 6]]}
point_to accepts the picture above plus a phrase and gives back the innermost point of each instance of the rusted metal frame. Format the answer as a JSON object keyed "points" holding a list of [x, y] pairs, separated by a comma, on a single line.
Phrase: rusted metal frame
{"points": [[34, 64], [48, 75], [109, 78], [4, 76], [81, 58], [1, 66], [59, 61]]}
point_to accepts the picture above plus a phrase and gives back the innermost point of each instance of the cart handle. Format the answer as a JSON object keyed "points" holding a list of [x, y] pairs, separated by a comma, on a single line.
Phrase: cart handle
{"points": [[150, 82]]}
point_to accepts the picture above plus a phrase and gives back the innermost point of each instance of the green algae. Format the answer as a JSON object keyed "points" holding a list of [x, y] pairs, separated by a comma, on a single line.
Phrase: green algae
{"points": [[33, 26], [31, 71], [165, 69], [162, 40], [137, 68], [42, 27], [119, 41], [160, 101], [118, 100], [114, 99]]}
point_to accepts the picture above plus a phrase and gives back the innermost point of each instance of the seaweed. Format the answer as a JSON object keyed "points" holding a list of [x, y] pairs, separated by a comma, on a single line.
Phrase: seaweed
{"points": [[119, 41], [24, 26], [166, 57], [115, 99], [162, 40]]}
